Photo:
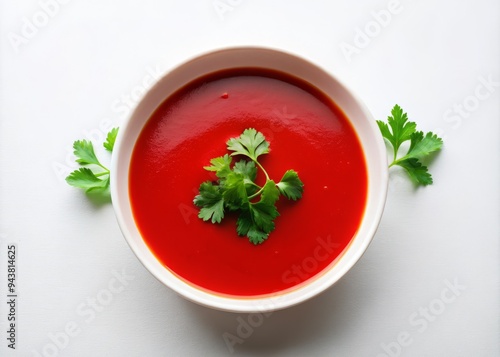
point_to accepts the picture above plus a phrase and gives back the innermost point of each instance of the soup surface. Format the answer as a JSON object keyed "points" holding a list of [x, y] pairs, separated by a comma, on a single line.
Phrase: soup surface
{"points": [[307, 133]]}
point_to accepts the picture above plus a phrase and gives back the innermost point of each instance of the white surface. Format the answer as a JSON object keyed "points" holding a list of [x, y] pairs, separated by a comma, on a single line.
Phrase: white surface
{"points": [[68, 80]]}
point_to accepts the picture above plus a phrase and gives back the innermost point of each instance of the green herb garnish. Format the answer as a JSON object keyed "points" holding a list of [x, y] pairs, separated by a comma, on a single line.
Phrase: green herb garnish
{"points": [[420, 146], [236, 189], [97, 178]]}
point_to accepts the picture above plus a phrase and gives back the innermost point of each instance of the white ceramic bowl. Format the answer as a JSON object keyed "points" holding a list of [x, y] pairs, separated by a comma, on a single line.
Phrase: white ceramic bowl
{"points": [[363, 123]]}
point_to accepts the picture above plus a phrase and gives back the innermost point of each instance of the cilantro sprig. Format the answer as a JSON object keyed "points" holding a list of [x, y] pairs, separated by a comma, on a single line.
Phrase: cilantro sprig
{"points": [[236, 190], [94, 177], [421, 145]]}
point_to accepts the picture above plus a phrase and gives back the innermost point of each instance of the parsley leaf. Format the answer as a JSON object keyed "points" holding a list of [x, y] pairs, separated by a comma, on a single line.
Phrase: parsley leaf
{"points": [[220, 165], [85, 178], [249, 172], [251, 144], [236, 189], [84, 151], [257, 219], [401, 128], [291, 186], [109, 144], [211, 201], [247, 169], [416, 170], [97, 178], [246, 227], [264, 212], [421, 146]]}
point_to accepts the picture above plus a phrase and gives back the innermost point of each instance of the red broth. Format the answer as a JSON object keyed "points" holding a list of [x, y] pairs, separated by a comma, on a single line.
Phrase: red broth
{"points": [[307, 133]]}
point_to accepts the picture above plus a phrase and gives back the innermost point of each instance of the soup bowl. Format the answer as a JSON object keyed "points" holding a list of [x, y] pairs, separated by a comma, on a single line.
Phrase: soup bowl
{"points": [[291, 64]]}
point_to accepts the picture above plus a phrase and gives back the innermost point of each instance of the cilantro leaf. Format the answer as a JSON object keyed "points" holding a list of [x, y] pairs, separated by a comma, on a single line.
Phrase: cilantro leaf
{"points": [[84, 151], [215, 211], [220, 165], [245, 226], [264, 212], [421, 146], [247, 169], [86, 179], [402, 130], [91, 179], [291, 186], [256, 236], [236, 189], [109, 144], [270, 193], [211, 201], [235, 192], [251, 144], [416, 170], [249, 172], [257, 219], [244, 222]]}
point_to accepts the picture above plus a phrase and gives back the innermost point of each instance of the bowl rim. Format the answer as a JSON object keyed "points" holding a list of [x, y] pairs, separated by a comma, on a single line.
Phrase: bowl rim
{"points": [[270, 302]]}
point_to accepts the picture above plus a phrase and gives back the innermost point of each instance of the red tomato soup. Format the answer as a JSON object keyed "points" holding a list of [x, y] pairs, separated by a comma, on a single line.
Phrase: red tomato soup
{"points": [[307, 133]]}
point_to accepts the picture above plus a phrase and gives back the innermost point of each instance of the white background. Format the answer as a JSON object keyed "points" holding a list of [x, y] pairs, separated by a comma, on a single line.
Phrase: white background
{"points": [[68, 78]]}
